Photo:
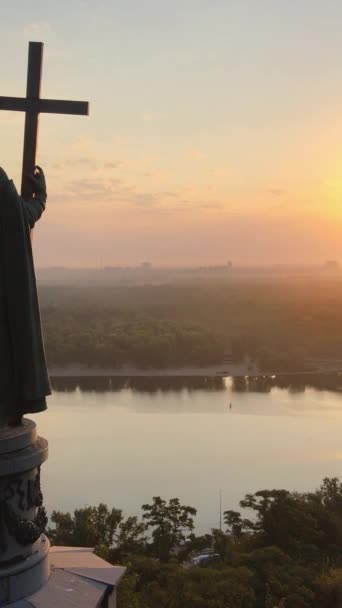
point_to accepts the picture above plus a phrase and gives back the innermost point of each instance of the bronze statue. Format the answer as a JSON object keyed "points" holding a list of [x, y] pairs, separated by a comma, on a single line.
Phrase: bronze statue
{"points": [[24, 381]]}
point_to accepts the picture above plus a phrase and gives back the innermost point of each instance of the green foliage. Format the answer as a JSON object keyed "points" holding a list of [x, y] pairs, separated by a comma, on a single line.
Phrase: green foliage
{"points": [[158, 585], [206, 587], [235, 524], [128, 596], [288, 555], [329, 589], [131, 537], [99, 527], [171, 523], [108, 339], [306, 526], [88, 527], [280, 323]]}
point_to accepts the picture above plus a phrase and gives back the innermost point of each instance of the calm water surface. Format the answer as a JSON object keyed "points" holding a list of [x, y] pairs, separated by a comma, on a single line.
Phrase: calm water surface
{"points": [[122, 442]]}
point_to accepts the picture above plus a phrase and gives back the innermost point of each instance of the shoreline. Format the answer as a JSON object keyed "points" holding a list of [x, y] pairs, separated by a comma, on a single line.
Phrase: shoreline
{"points": [[128, 371], [214, 371]]}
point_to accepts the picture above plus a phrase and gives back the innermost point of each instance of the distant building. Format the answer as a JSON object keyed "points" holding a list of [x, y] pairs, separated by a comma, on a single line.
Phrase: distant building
{"points": [[331, 266]]}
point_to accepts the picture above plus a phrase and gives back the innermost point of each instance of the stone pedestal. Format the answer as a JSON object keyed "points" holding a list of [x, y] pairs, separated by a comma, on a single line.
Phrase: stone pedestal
{"points": [[24, 562]]}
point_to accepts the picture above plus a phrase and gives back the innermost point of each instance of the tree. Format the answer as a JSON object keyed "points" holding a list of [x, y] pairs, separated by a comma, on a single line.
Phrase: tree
{"points": [[329, 589], [283, 519], [131, 536], [233, 521], [170, 522], [87, 527], [128, 596], [330, 494]]}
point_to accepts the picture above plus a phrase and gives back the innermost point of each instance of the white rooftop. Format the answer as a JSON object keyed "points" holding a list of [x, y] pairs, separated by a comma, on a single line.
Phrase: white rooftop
{"points": [[78, 578]]}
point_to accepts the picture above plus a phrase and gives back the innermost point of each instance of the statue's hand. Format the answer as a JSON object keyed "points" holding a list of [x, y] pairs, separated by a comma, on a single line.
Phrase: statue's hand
{"points": [[38, 181]]}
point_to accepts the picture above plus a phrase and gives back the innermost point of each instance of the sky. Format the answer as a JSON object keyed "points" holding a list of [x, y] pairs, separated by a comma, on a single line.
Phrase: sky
{"points": [[215, 129]]}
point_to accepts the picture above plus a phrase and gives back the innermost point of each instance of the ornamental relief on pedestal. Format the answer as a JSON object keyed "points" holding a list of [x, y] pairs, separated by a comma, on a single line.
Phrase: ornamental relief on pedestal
{"points": [[18, 496]]}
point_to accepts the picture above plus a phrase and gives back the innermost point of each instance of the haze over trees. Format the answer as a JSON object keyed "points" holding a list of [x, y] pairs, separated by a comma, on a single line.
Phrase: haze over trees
{"points": [[282, 323]]}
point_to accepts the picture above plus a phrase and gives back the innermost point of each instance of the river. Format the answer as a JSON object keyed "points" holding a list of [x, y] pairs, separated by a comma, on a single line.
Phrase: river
{"points": [[123, 441]]}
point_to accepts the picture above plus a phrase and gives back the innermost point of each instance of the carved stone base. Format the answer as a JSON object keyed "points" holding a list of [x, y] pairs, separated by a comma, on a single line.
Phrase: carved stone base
{"points": [[26, 577], [24, 548]]}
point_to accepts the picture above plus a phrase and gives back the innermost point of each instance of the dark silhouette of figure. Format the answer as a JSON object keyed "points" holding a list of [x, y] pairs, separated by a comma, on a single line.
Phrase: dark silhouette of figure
{"points": [[24, 382]]}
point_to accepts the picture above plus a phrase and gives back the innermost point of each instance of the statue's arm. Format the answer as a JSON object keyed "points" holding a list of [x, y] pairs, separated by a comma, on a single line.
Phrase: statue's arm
{"points": [[34, 208]]}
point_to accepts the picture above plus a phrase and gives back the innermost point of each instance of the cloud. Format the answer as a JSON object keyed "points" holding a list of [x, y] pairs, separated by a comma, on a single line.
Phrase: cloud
{"points": [[112, 191], [116, 193], [145, 199], [193, 205], [276, 191], [221, 172], [72, 163], [87, 162], [37, 28], [114, 165], [90, 189], [157, 175], [196, 154]]}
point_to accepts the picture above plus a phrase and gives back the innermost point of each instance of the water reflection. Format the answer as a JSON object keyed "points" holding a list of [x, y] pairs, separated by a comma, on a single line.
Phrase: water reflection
{"points": [[294, 383], [152, 385], [139, 384], [123, 440]]}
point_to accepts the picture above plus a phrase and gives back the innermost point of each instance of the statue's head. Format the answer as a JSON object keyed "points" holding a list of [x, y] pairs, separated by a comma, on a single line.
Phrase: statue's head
{"points": [[3, 175]]}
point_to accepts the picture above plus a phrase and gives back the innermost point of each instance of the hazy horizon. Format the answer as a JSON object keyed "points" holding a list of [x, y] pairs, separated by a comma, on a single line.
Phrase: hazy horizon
{"points": [[214, 130], [321, 265]]}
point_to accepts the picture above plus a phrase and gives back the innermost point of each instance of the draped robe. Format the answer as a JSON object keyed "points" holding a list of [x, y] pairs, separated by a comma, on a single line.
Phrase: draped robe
{"points": [[24, 381]]}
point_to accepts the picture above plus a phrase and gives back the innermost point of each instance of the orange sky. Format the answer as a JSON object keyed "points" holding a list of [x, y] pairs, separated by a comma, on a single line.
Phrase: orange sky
{"points": [[215, 130]]}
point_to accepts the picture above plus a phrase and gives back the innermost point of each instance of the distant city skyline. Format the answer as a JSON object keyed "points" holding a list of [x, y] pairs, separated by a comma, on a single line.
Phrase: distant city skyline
{"points": [[215, 130]]}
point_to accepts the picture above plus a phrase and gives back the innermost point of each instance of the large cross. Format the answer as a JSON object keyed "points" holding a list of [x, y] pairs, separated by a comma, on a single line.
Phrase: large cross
{"points": [[32, 105]]}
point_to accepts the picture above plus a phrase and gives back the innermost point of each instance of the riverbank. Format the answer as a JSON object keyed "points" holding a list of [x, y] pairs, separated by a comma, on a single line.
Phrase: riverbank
{"points": [[99, 372], [232, 370]]}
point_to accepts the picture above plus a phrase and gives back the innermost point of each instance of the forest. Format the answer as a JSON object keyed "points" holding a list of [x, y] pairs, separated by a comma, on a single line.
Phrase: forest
{"points": [[282, 550], [284, 324]]}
